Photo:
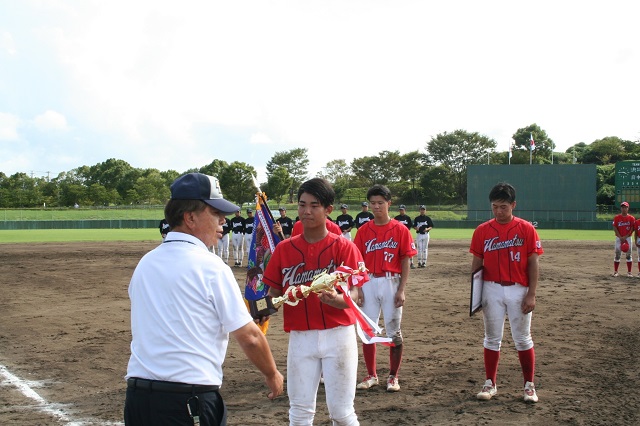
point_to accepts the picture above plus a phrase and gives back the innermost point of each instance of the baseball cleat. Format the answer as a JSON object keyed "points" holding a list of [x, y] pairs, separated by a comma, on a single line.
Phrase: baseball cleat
{"points": [[530, 393], [615, 274], [392, 384], [368, 382], [629, 274], [488, 390]]}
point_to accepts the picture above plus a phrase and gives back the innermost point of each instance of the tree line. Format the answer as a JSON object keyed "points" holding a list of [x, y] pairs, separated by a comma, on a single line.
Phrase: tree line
{"points": [[435, 176]]}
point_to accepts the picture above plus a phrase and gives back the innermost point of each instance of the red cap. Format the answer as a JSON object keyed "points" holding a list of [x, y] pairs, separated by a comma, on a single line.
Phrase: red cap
{"points": [[624, 203]]}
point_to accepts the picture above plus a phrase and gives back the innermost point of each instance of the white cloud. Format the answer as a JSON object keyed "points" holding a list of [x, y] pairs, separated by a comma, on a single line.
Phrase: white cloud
{"points": [[50, 120], [6, 43], [9, 124]]}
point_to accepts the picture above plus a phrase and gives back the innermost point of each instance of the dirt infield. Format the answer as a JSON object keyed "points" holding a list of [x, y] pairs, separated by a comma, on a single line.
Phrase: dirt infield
{"points": [[64, 331]]}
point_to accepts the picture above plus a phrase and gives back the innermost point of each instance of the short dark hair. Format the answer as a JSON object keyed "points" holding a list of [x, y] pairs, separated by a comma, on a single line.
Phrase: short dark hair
{"points": [[175, 209], [381, 190], [503, 191], [319, 188]]}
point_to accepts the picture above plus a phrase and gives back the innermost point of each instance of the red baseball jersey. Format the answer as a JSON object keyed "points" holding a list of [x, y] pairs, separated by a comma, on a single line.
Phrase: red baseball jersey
{"points": [[384, 246], [505, 249], [624, 224], [331, 227], [295, 262]]}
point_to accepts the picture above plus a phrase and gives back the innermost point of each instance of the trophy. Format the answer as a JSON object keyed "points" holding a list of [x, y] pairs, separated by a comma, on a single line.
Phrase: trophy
{"points": [[322, 281]]}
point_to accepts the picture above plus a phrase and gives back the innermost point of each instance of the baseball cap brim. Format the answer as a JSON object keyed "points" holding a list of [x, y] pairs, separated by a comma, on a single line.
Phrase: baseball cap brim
{"points": [[222, 205]]}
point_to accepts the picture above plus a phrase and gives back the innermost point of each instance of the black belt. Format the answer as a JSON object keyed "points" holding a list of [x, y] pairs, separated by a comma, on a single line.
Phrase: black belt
{"points": [[160, 386], [239, 232], [505, 283]]}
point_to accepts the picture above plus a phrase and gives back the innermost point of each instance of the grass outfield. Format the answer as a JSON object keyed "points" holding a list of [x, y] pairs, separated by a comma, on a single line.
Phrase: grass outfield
{"points": [[74, 235]]}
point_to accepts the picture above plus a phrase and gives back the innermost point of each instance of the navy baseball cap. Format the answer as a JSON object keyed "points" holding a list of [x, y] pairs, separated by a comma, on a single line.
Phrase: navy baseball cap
{"points": [[344, 206], [423, 207], [198, 186], [282, 209], [249, 211], [365, 204], [402, 207]]}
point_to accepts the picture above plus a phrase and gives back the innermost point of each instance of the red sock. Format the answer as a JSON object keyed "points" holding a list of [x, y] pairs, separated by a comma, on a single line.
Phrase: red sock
{"points": [[615, 266], [528, 364], [369, 353], [395, 358], [629, 265], [491, 359]]}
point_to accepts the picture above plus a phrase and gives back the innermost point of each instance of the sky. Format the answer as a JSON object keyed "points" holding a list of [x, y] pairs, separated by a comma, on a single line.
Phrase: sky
{"points": [[174, 85]]}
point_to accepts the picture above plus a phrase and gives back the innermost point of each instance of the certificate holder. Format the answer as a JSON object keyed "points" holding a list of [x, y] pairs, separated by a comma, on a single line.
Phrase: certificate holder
{"points": [[475, 299]]}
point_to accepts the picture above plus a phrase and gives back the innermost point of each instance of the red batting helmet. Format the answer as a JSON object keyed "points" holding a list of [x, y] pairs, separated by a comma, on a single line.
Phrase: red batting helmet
{"points": [[624, 246]]}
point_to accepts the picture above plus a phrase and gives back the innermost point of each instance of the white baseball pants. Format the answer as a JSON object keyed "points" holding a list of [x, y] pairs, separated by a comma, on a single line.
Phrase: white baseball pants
{"points": [[379, 296], [422, 245], [332, 353], [223, 248], [236, 245], [498, 301]]}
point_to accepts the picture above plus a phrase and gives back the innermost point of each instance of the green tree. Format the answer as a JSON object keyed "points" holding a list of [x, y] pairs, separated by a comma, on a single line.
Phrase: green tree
{"points": [[522, 145], [338, 173], [437, 185], [411, 168], [456, 151], [236, 182], [214, 168], [278, 184], [605, 151], [97, 195], [296, 163]]}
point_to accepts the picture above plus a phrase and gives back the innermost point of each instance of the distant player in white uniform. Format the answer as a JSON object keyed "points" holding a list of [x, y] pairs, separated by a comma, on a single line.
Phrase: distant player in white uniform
{"points": [[237, 238], [248, 233], [423, 224], [345, 222], [223, 244]]}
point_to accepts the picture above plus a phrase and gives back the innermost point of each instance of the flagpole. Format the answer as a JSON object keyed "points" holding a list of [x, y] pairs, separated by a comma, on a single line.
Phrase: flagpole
{"points": [[264, 200]]}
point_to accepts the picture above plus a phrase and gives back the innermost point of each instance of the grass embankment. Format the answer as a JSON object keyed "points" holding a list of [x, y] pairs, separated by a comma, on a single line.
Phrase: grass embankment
{"points": [[76, 235]]}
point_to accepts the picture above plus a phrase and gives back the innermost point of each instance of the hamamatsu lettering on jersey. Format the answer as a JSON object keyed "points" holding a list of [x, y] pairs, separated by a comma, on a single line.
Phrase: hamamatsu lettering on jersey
{"points": [[492, 244], [291, 276], [373, 245]]}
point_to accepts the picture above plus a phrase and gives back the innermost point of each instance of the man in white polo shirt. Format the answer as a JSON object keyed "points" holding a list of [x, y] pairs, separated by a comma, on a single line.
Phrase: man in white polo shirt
{"points": [[185, 302]]}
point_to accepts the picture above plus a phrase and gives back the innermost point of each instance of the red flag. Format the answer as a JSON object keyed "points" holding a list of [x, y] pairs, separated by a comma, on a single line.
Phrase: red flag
{"points": [[533, 143]]}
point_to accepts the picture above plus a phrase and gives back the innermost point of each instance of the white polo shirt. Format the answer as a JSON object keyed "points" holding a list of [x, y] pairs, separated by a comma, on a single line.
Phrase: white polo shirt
{"points": [[184, 303]]}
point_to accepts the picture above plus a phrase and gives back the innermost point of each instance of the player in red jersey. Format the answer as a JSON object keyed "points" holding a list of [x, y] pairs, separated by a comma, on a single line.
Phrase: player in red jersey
{"points": [[322, 333], [387, 247], [507, 248], [623, 225], [636, 228]]}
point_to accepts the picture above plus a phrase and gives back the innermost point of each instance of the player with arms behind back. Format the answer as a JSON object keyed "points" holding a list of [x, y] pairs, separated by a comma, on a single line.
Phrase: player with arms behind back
{"points": [[387, 247], [507, 248], [623, 225]]}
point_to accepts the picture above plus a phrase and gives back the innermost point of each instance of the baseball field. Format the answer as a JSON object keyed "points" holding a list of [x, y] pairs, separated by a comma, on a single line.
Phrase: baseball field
{"points": [[64, 342]]}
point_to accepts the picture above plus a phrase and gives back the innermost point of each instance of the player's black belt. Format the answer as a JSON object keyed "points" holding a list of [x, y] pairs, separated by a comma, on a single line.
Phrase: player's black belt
{"points": [[505, 283], [160, 386], [239, 232]]}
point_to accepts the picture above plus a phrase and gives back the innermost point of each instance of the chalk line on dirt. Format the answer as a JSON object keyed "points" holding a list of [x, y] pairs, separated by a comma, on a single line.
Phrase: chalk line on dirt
{"points": [[42, 404]]}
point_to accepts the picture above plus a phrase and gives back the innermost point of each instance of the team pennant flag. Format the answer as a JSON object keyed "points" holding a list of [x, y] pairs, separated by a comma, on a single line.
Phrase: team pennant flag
{"points": [[263, 243]]}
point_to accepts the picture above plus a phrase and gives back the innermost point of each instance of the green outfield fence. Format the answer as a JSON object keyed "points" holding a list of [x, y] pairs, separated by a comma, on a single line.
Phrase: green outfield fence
{"points": [[153, 223]]}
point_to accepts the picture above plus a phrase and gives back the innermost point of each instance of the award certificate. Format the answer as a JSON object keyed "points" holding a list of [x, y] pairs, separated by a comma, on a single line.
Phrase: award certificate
{"points": [[475, 301]]}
